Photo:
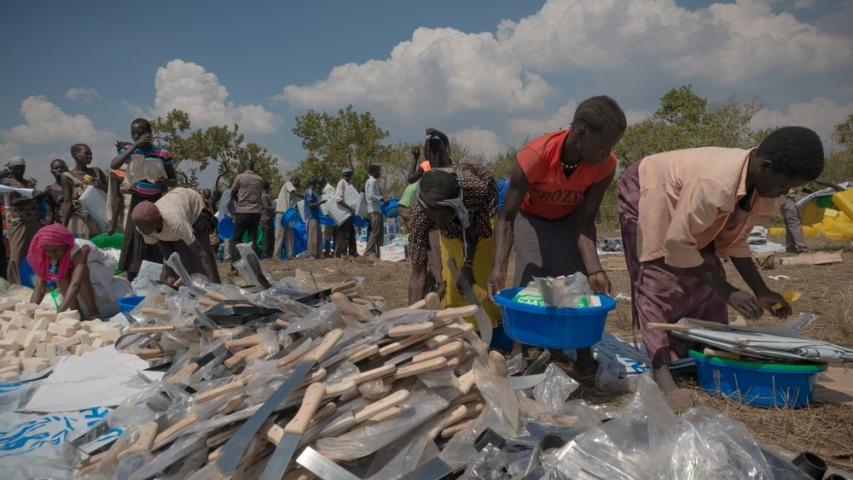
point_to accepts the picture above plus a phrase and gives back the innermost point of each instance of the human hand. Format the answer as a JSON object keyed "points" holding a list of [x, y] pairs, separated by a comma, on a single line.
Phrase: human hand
{"points": [[144, 139], [775, 304], [441, 289], [497, 280], [468, 274], [600, 283], [416, 152], [746, 304]]}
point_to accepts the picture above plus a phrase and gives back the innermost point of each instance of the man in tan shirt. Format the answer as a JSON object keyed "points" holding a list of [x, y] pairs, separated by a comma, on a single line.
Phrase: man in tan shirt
{"points": [[681, 211], [179, 222]]}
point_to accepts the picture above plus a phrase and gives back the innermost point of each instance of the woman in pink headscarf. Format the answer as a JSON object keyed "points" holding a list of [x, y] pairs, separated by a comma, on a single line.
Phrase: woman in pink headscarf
{"points": [[82, 272]]}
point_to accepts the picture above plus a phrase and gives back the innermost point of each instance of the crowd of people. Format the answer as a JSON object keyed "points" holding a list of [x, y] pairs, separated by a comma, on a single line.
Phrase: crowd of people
{"points": [[680, 213]]}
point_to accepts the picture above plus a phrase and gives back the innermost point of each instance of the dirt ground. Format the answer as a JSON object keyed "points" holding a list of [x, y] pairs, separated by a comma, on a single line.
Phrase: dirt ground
{"points": [[827, 291]]}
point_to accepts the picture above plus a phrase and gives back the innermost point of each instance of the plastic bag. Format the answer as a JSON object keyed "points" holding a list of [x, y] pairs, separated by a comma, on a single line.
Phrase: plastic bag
{"points": [[711, 445], [420, 407], [555, 389], [148, 277], [567, 291], [627, 446], [516, 364]]}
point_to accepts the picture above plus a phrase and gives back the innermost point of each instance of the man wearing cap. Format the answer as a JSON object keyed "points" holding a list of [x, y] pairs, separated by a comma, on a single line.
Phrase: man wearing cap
{"points": [[345, 238], [246, 195], [22, 215], [179, 222]]}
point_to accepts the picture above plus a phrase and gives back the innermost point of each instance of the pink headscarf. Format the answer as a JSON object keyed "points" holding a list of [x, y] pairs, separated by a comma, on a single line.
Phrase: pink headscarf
{"points": [[56, 235]]}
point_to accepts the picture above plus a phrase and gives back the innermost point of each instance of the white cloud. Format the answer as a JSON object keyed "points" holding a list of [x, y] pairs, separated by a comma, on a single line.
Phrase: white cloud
{"points": [[521, 128], [82, 94], [45, 122], [480, 142], [189, 87], [440, 70], [445, 71], [8, 150], [820, 114]]}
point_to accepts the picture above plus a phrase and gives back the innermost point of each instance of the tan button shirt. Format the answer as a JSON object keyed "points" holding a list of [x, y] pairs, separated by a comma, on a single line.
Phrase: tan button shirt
{"points": [[179, 208], [689, 198]]}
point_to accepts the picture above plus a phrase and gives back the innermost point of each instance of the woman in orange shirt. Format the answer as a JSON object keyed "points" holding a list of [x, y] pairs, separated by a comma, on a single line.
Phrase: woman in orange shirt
{"points": [[557, 186]]}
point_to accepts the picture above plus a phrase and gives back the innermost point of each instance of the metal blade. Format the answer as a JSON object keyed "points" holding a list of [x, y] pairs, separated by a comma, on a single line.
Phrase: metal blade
{"points": [[484, 324], [434, 469], [236, 446], [280, 459], [525, 382], [322, 466]]}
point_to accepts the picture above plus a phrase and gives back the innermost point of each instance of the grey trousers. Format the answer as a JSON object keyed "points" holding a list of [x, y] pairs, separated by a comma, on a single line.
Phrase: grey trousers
{"points": [[377, 234], [795, 240]]}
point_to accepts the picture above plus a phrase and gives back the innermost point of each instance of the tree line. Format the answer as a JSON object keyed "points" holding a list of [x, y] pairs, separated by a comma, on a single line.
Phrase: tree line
{"points": [[353, 139]]}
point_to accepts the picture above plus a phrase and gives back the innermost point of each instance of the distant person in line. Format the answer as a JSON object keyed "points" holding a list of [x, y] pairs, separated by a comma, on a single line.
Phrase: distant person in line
{"points": [[329, 229], [311, 207], [149, 172], [179, 222], [23, 218], [682, 211], [54, 193], [376, 231], [287, 198], [795, 239], [346, 231], [246, 196], [557, 186], [460, 205], [75, 216], [267, 215], [83, 273]]}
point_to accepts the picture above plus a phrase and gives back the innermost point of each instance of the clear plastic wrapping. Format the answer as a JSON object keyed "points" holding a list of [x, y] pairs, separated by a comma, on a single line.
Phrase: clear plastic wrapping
{"points": [[420, 407], [555, 389]]}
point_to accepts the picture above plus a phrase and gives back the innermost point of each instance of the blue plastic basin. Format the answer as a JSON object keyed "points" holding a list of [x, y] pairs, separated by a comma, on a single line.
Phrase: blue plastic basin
{"points": [[761, 384], [553, 327], [127, 304]]}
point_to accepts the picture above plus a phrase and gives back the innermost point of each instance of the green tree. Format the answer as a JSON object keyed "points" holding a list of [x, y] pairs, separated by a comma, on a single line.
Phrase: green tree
{"points": [[347, 139], [686, 120], [221, 145], [839, 164]]}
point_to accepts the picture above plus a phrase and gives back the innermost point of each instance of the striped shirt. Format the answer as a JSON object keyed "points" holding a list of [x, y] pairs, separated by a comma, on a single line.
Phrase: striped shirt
{"points": [[146, 187]]}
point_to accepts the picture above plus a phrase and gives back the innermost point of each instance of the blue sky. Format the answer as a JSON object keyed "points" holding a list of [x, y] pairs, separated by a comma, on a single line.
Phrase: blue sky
{"points": [[490, 72]]}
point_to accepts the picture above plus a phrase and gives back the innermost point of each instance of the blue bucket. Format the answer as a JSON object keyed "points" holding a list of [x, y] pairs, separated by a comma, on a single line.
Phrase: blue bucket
{"points": [[553, 327], [127, 304], [760, 384]]}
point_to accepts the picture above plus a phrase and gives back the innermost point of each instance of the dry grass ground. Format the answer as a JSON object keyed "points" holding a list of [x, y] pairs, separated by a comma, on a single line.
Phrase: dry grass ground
{"points": [[827, 291]]}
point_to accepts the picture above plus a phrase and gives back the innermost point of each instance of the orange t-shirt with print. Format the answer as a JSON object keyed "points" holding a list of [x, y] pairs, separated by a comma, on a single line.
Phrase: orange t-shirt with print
{"points": [[551, 194]]}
